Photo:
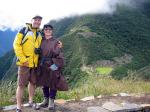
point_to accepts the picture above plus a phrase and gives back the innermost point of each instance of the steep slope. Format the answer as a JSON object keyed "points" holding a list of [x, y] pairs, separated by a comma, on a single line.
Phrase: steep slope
{"points": [[92, 39], [5, 63], [6, 40]]}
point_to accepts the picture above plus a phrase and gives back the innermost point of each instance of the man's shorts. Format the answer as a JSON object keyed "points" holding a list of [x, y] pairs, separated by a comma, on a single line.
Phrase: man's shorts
{"points": [[26, 75]]}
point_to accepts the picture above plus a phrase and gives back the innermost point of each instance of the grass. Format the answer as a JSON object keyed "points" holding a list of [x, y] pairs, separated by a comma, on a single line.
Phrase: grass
{"points": [[104, 70], [7, 92], [95, 85]]}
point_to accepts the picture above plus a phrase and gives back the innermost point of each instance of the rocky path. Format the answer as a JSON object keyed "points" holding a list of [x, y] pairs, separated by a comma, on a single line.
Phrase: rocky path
{"points": [[115, 103]]}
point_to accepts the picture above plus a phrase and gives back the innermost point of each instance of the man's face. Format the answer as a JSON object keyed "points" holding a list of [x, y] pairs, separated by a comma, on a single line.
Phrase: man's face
{"points": [[36, 22]]}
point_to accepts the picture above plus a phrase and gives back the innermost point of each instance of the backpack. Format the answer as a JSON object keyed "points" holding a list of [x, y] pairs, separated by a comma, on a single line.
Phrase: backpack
{"points": [[24, 31]]}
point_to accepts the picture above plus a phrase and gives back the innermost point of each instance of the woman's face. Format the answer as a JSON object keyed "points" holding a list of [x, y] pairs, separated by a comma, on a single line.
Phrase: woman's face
{"points": [[48, 31]]}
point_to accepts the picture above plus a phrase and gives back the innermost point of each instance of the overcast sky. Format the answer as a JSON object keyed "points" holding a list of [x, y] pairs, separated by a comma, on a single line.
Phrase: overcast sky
{"points": [[15, 13]]}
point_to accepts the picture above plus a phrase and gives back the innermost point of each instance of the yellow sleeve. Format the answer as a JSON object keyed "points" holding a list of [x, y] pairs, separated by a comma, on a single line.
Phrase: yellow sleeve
{"points": [[18, 48]]}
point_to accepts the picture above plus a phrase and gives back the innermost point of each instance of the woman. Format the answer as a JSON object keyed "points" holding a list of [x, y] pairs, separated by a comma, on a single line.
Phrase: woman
{"points": [[51, 63]]}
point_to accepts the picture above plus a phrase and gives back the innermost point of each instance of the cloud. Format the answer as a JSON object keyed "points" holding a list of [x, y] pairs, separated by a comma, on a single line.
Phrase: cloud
{"points": [[15, 13]]}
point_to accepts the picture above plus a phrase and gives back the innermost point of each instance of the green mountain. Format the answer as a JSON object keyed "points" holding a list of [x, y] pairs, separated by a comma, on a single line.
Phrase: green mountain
{"points": [[120, 40], [90, 39], [5, 63], [6, 40]]}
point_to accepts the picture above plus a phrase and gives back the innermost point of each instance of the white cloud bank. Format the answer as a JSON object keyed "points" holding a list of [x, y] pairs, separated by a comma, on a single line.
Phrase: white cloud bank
{"points": [[15, 13]]}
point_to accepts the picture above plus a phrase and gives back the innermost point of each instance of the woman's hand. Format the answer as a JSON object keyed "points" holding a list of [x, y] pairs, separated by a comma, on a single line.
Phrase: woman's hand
{"points": [[60, 45]]}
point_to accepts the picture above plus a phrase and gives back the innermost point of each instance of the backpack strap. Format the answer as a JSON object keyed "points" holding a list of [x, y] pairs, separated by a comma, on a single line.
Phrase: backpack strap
{"points": [[24, 31]]}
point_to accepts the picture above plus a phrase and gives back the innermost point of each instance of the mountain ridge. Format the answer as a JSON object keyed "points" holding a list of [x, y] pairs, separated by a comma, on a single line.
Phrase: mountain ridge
{"points": [[91, 38], [6, 41]]}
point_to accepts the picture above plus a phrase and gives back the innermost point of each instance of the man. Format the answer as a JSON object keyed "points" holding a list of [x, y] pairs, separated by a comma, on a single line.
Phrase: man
{"points": [[26, 46]]}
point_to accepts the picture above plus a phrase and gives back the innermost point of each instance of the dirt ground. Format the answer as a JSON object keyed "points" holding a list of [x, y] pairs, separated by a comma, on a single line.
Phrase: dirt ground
{"points": [[81, 106]]}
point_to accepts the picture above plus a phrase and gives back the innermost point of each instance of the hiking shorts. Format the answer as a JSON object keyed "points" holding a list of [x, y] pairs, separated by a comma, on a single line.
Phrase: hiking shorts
{"points": [[26, 75]]}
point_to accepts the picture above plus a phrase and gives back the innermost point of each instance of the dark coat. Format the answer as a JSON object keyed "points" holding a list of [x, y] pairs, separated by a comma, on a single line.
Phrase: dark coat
{"points": [[51, 54]]}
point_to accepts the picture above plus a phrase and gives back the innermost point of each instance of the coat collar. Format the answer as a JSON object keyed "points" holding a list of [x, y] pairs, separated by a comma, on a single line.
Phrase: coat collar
{"points": [[29, 25]]}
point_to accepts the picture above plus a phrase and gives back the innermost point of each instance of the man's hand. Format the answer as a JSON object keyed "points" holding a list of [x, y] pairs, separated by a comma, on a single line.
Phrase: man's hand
{"points": [[26, 64]]}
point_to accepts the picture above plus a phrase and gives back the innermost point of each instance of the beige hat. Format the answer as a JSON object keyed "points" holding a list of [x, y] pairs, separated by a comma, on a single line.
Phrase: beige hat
{"points": [[37, 16]]}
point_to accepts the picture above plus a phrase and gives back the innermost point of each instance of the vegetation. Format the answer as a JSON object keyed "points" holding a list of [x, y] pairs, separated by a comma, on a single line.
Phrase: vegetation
{"points": [[104, 70], [95, 85], [5, 63], [90, 39], [108, 36]]}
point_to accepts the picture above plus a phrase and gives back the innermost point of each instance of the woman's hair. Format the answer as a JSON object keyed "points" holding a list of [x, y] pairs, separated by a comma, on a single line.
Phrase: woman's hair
{"points": [[47, 26]]}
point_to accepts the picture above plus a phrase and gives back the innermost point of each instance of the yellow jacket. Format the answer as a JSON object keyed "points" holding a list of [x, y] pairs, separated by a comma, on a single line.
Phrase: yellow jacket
{"points": [[25, 51]]}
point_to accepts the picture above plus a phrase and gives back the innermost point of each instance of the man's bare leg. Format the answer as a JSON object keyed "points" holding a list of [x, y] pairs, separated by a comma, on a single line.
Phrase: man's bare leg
{"points": [[31, 90], [19, 95]]}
